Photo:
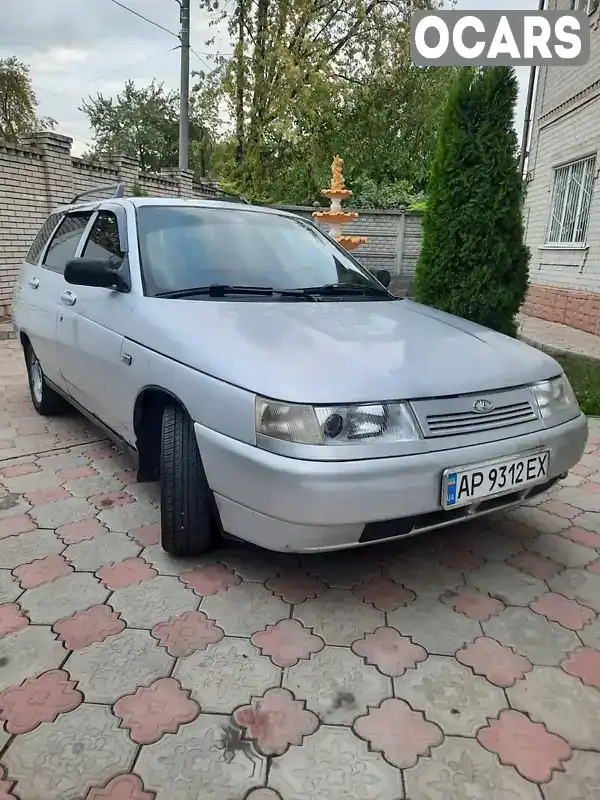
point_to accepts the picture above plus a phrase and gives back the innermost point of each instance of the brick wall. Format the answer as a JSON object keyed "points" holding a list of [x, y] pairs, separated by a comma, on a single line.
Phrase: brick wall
{"points": [[40, 174], [564, 281]]}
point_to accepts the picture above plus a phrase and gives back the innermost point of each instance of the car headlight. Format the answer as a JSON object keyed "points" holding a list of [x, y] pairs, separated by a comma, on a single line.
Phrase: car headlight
{"points": [[335, 425], [555, 397]]}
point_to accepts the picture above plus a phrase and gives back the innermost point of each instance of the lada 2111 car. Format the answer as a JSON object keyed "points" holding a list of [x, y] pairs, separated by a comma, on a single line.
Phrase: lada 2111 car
{"points": [[276, 389]]}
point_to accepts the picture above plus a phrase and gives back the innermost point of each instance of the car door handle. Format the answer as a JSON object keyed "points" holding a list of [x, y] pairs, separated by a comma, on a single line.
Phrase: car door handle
{"points": [[68, 298], [34, 282]]}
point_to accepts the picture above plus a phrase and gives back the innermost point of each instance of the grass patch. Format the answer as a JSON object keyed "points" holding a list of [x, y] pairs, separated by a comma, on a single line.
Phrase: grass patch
{"points": [[584, 376]]}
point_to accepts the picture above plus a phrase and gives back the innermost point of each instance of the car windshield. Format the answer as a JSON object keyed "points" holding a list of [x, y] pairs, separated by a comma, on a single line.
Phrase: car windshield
{"points": [[187, 247]]}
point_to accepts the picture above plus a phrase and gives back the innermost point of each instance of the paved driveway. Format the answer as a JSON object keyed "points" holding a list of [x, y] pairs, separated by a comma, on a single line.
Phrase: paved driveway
{"points": [[452, 666]]}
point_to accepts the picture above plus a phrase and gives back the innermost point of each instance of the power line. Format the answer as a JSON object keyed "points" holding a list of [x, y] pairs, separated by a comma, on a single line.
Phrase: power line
{"points": [[201, 60], [146, 19]]}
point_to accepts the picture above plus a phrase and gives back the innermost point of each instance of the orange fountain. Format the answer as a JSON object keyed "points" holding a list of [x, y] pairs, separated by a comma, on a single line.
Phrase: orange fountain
{"points": [[335, 217]]}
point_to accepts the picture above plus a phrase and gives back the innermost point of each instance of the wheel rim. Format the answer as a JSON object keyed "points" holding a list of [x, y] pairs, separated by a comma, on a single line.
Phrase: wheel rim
{"points": [[37, 378]]}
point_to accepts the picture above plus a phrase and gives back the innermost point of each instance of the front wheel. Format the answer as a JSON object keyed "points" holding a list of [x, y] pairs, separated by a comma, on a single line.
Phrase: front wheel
{"points": [[187, 503], [45, 400]]}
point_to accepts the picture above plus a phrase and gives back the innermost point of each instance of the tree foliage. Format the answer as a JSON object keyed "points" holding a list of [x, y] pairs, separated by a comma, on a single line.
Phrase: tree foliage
{"points": [[143, 123], [473, 261], [18, 103], [309, 78]]}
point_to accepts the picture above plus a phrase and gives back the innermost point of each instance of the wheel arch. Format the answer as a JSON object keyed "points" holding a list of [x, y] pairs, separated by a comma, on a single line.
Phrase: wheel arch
{"points": [[147, 425]]}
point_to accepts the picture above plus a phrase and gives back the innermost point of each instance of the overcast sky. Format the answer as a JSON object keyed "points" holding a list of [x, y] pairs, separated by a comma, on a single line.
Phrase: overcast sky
{"points": [[80, 47]]}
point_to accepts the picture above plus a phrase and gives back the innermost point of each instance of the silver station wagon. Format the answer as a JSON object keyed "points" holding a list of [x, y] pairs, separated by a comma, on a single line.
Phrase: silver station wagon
{"points": [[273, 385]]}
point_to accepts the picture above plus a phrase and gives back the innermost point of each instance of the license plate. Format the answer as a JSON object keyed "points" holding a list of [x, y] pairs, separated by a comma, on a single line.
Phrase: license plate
{"points": [[464, 485]]}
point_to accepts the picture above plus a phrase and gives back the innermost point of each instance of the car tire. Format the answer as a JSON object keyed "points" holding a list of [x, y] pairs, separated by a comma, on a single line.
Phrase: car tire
{"points": [[187, 503], [45, 400]]}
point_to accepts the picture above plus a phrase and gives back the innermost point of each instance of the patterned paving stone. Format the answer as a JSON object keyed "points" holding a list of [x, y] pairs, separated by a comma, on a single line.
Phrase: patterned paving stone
{"points": [[562, 703], [543, 753], [580, 535], [531, 635], [287, 642], [562, 550], [118, 665], [91, 484], [275, 721], [5, 784], [63, 597], [338, 617], [263, 794], [590, 635], [12, 619], [37, 760], [579, 781], [459, 769], [473, 604], [259, 565], [154, 710], [226, 675], [146, 536], [49, 495], [80, 531], [383, 593], [539, 520], [390, 652], [495, 546], [145, 604], [577, 584], [296, 587], [166, 564], [32, 481], [92, 554], [535, 565], [307, 771], [126, 573], [62, 512], [122, 787], [460, 558], [200, 761], [244, 609], [13, 525], [125, 518], [450, 695], [17, 550], [584, 663], [337, 685], [42, 570], [38, 700], [428, 577], [343, 570], [499, 664], [210, 579], [185, 633], [9, 587], [589, 520], [401, 734], [568, 613], [88, 627], [506, 584], [434, 626]]}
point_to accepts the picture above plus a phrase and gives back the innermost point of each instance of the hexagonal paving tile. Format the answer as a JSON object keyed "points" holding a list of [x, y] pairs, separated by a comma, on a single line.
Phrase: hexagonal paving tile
{"points": [[578, 584], [9, 587], [37, 760], [531, 635], [562, 550], [335, 764], [61, 598], [17, 550], [226, 675], [201, 760], [460, 769], [562, 703], [450, 695], [118, 665], [425, 576], [145, 604], [434, 626], [62, 512], [339, 617], [133, 515], [337, 685], [244, 609], [506, 583], [91, 554], [579, 781], [27, 653]]}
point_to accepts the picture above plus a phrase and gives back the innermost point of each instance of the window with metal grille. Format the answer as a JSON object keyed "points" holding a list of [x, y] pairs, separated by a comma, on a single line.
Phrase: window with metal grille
{"points": [[589, 6], [571, 200]]}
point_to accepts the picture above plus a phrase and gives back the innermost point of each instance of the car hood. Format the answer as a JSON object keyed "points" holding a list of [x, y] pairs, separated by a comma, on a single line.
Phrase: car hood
{"points": [[337, 352]]}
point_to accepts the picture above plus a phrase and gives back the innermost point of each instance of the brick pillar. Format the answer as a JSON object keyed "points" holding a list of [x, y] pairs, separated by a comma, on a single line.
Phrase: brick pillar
{"points": [[185, 180], [128, 169], [58, 167]]}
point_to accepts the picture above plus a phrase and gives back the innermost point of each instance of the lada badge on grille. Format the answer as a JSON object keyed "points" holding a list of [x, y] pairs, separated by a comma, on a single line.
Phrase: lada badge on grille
{"points": [[483, 406]]}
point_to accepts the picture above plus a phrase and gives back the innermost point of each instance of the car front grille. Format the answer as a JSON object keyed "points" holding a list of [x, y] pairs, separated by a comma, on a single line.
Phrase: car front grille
{"points": [[461, 422]]}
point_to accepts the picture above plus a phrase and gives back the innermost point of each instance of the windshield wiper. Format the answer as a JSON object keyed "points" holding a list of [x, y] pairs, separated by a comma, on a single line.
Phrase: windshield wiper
{"points": [[339, 289], [223, 289]]}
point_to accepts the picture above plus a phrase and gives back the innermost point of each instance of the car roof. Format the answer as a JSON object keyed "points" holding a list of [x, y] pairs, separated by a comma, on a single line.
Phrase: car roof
{"points": [[186, 202]]}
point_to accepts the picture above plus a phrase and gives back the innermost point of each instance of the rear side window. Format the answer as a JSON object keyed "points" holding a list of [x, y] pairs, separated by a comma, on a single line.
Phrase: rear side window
{"points": [[65, 241], [41, 239], [104, 237]]}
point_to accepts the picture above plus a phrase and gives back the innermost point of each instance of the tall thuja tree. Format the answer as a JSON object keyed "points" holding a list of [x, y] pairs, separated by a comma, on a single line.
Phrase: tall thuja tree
{"points": [[473, 261]]}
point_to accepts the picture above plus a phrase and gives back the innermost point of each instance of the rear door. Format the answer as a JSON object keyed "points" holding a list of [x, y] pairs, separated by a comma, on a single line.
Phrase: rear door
{"points": [[91, 325], [42, 283]]}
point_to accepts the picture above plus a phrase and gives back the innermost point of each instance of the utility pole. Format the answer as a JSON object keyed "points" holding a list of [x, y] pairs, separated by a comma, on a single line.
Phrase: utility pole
{"points": [[184, 107]]}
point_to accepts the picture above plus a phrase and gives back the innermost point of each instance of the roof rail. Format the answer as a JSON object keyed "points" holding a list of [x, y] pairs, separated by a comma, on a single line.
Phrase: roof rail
{"points": [[118, 190], [217, 193]]}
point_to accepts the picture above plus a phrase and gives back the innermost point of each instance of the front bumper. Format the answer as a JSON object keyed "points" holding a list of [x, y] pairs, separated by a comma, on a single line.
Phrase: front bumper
{"points": [[287, 504]]}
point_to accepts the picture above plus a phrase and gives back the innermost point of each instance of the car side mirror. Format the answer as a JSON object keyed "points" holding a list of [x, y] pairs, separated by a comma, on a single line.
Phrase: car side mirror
{"points": [[100, 272], [384, 277]]}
